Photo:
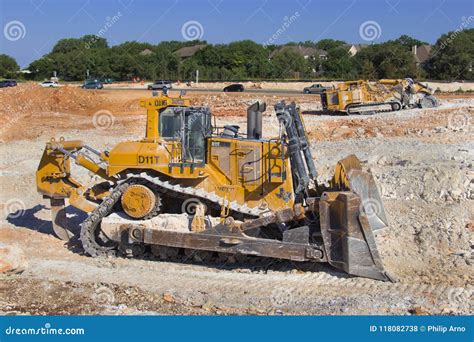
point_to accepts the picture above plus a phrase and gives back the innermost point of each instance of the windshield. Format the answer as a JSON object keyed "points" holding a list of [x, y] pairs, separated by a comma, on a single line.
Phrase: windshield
{"points": [[170, 123]]}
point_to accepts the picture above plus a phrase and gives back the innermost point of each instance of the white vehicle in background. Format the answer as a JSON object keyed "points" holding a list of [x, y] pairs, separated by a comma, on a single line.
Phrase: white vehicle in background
{"points": [[49, 84]]}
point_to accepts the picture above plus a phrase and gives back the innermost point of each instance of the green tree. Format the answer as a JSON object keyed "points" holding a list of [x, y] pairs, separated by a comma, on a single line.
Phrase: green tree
{"points": [[452, 56], [389, 59], [94, 42], [367, 70], [68, 45], [42, 68], [408, 41], [288, 64], [187, 69], [329, 44], [338, 64], [8, 66]]}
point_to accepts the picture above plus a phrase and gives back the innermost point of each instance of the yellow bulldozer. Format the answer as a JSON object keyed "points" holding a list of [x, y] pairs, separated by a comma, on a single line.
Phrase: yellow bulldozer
{"points": [[263, 194], [364, 97]]}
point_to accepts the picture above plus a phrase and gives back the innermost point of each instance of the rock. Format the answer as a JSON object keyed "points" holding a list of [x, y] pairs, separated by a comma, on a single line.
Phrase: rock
{"points": [[360, 131], [168, 297], [208, 306], [418, 310], [383, 160], [12, 259]]}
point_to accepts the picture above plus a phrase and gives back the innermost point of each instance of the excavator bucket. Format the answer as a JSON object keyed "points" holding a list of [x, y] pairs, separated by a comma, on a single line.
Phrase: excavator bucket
{"points": [[350, 217]]}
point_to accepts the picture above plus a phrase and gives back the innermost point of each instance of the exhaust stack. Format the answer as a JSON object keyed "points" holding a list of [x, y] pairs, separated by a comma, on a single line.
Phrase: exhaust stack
{"points": [[254, 120]]}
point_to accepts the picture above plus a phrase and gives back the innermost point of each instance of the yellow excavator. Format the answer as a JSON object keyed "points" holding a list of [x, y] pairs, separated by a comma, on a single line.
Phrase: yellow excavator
{"points": [[263, 194], [364, 97]]}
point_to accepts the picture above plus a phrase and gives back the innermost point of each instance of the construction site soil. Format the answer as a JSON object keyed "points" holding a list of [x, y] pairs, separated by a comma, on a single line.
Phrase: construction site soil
{"points": [[422, 160]]}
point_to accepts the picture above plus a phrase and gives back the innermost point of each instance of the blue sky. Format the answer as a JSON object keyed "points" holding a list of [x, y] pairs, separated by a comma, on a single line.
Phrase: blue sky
{"points": [[40, 24]]}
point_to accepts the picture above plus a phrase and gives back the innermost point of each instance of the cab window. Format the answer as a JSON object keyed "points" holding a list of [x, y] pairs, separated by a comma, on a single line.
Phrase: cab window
{"points": [[170, 123]]}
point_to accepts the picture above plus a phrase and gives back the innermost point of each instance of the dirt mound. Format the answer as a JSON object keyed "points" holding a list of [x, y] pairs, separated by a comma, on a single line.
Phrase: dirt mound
{"points": [[69, 107], [29, 97]]}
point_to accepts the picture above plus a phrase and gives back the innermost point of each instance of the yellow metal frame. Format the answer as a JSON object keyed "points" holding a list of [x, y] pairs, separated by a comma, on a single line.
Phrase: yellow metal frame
{"points": [[252, 172]]}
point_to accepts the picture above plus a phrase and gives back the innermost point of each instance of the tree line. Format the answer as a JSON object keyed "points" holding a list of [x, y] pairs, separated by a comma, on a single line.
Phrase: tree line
{"points": [[74, 59]]}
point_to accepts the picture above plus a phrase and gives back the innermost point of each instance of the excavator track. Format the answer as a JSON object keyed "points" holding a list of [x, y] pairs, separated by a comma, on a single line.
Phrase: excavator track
{"points": [[373, 104], [188, 192], [92, 237], [96, 244]]}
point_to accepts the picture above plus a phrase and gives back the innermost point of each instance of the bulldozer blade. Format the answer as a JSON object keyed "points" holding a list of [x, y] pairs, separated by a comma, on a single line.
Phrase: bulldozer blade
{"points": [[59, 220], [350, 177], [363, 184], [348, 239]]}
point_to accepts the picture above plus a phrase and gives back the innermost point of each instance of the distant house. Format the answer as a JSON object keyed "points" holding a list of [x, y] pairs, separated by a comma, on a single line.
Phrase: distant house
{"points": [[421, 53], [305, 52], [321, 54], [353, 49], [189, 51], [146, 52]]}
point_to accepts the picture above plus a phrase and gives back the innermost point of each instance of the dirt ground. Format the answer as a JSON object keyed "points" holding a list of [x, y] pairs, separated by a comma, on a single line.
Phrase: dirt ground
{"points": [[422, 160]]}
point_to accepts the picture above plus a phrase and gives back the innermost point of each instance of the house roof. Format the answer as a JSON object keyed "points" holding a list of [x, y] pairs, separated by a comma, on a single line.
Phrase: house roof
{"points": [[189, 51], [302, 50], [421, 52], [146, 52], [357, 47]]}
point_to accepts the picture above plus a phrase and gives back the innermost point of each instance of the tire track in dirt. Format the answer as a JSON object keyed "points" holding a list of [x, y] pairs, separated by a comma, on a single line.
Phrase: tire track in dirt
{"points": [[233, 288]]}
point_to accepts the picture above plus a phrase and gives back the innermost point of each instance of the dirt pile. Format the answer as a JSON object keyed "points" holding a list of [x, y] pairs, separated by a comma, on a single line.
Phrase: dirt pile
{"points": [[29, 97], [67, 107]]}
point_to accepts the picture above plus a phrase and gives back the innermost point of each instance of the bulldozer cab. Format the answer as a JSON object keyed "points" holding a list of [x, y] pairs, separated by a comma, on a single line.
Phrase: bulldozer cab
{"points": [[190, 126], [182, 127]]}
